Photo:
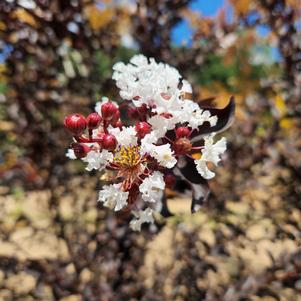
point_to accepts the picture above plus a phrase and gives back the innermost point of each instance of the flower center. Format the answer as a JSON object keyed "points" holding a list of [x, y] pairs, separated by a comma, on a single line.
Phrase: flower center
{"points": [[129, 165], [128, 157]]}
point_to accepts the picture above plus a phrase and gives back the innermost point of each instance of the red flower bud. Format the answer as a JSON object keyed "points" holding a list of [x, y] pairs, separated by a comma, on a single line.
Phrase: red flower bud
{"points": [[182, 146], [133, 113], [142, 109], [115, 118], [100, 135], [108, 110], [118, 124], [109, 142], [182, 132], [80, 149], [142, 128], [93, 121], [170, 180], [75, 123]]}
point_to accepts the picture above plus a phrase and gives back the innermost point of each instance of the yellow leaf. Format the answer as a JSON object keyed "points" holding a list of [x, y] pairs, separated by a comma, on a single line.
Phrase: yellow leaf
{"points": [[98, 18], [24, 16], [241, 6], [280, 105], [286, 123], [6, 126], [2, 26]]}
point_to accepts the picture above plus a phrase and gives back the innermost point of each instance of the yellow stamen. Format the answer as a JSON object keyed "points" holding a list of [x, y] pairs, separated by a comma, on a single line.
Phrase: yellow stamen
{"points": [[128, 156]]}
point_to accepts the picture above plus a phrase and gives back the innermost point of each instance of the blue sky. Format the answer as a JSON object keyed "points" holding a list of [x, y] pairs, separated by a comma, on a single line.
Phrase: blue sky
{"points": [[205, 8], [210, 8]]}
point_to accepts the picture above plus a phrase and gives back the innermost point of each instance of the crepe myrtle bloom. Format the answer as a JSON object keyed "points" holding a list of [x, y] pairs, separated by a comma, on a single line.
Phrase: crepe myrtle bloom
{"points": [[151, 187], [170, 137]]}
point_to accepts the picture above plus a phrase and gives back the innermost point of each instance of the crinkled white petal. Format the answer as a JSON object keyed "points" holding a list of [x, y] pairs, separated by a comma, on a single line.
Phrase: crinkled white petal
{"points": [[70, 154], [196, 116], [160, 125], [97, 160], [203, 170], [111, 196], [152, 187], [147, 143], [166, 103], [126, 136], [164, 155], [135, 224], [139, 60], [186, 87], [211, 153], [142, 216]]}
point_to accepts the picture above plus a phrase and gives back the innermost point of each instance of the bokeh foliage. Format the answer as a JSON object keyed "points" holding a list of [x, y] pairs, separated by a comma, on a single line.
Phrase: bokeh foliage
{"points": [[244, 245]]}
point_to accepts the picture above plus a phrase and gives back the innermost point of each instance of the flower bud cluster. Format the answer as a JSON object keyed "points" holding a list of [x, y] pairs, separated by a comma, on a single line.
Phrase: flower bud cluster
{"points": [[77, 124]]}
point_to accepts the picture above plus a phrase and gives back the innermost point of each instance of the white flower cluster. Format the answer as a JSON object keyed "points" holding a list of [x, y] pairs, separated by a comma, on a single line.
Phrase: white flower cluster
{"points": [[161, 90], [156, 85], [147, 82], [151, 191]]}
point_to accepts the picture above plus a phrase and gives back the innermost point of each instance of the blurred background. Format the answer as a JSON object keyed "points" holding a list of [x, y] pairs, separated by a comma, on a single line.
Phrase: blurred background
{"points": [[56, 57]]}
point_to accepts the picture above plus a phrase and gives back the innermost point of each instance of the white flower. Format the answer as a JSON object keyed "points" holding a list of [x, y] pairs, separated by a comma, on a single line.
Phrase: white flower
{"points": [[160, 125], [195, 116], [210, 153], [203, 170], [189, 106], [168, 103], [111, 196], [139, 60], [70, 154], [145, 216], [164, 155], [147, 143], [186, 87], [126, 136], [199, 117], [98, 160], [152, 187]]}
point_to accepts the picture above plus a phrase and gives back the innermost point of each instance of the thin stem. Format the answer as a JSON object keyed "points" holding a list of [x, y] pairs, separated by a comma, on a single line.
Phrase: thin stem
{"points": [[197, 147], [169, 140], [83, 139], [105, 127]]}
